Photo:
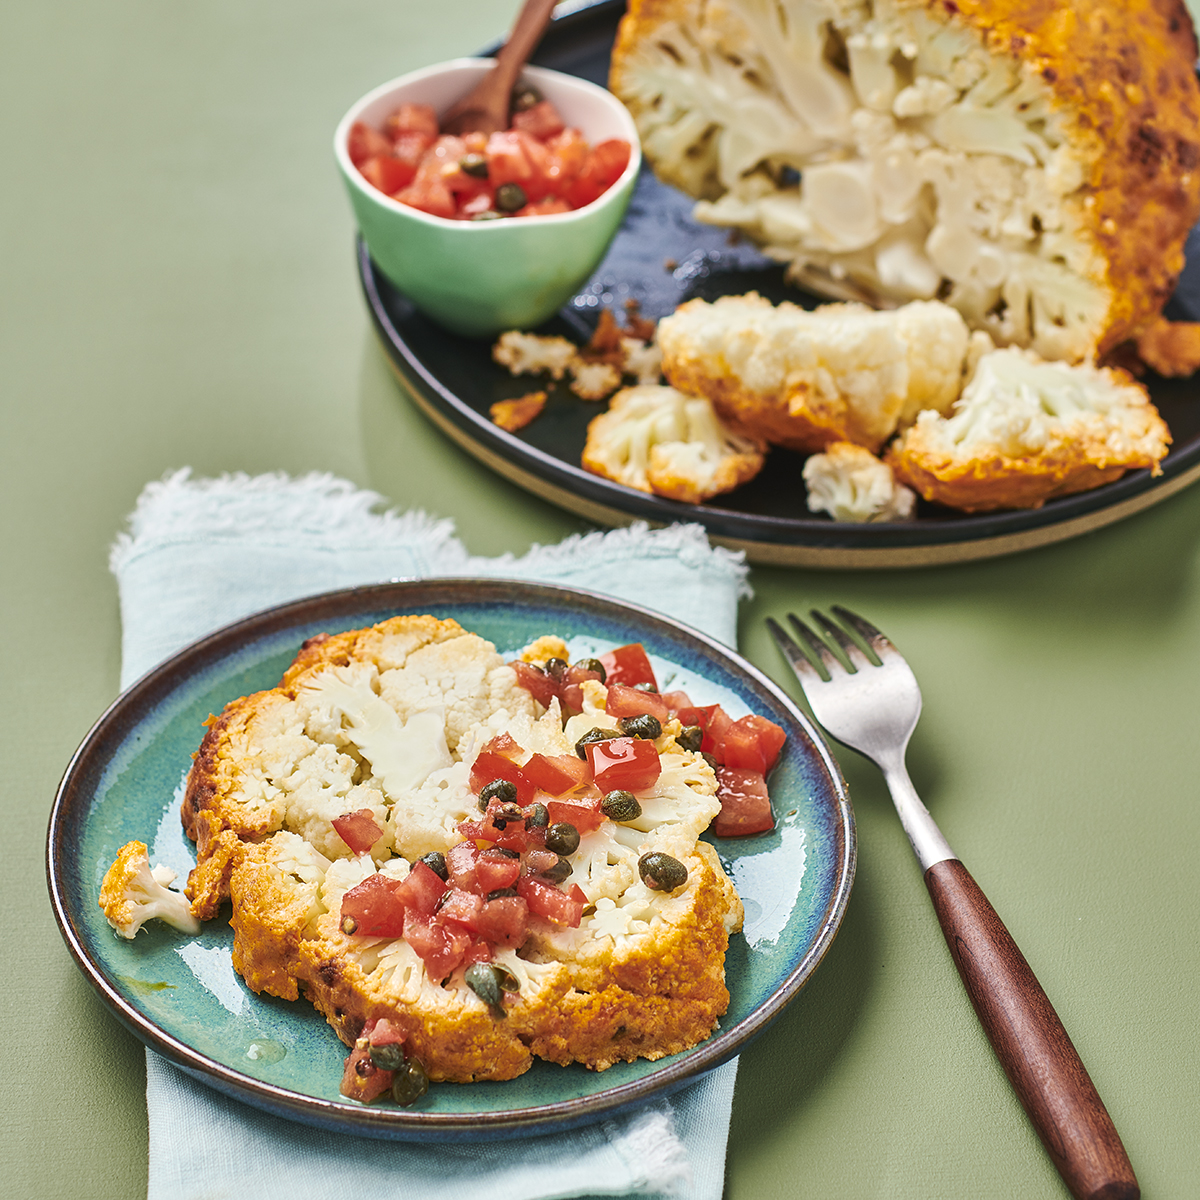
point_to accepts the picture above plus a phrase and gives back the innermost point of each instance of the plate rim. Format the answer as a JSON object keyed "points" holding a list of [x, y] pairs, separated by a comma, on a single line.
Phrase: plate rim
{"points": [[766, 539], [74, 796]]}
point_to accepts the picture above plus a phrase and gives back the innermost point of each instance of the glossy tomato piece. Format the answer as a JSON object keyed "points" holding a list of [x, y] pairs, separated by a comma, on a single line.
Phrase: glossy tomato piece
{"points": [[584, 813], [375, 908], [677, 700], [545, 900], [542, 121], [421, 890], [387, 173], [460, 906], [745, 804], [600, 171], [572, 686], [718, 724], [546, 207], [361, 1078], [493, 871], [696, 714], [358, 829], [440, 945], [490, 766], [628, 665], [556, 774], [507, 160], [503, 921], [542, 687], [413, 118], [460, 864], [631, 702], [364, 143], [629, 764], [752, 742]]}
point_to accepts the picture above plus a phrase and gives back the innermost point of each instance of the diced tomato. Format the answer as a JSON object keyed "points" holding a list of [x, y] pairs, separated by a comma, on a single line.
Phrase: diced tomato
{"points": [[507, 160], [600, 171], [498, 827], [382, 1033], [675, 701], [631, 764], [490, 766], [506, 744], [745, 804], [410, 148], [556, 774], [358, 829], [413, 118], [493, 871], [572, 686], [697, 715], [460, 906], [430, 195], [545, 900], [477, 951], [364, 143], [715, 728], [387, 173], [541, 860], [568, 153], [441, 945], [421, 890], [375, 908], [628, 665], [542, 121], [544, 208], [752, 742], [460, 863], [361, 1078], [503, 921], [542, 687], [584, 813], [631, 702]]}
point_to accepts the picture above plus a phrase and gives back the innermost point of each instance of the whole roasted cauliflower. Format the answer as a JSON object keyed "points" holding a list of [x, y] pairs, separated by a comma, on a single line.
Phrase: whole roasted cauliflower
{"points": [[372, 871], [1034, 164], [1026, 430]]}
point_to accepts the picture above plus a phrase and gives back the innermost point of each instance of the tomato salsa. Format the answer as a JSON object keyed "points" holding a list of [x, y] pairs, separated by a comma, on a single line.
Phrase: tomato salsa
{"points": [[536, 167]]}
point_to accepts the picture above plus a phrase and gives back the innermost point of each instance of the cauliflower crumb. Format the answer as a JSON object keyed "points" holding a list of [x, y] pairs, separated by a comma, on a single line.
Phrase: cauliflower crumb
{"points": [[132, 894], [851, 484], [530, 354], [658, 440], [514, 415], [594, 380]]}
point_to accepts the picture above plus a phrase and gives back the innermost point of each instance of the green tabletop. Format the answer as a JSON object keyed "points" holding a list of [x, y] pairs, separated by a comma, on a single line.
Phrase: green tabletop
{"points": [[179, 289]]}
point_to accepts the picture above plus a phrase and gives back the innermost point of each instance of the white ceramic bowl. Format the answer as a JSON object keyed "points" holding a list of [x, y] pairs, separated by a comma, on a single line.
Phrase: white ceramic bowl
{"points": [[481, 277]]}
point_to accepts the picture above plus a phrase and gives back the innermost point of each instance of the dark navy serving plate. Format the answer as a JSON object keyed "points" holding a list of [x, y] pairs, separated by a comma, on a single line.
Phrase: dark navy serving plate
{"points": [[660, 258], [180, 994]]}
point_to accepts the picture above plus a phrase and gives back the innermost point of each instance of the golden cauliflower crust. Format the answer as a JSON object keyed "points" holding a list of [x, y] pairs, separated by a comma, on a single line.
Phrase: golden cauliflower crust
{"points": [[1118, 78], [650, 987]]}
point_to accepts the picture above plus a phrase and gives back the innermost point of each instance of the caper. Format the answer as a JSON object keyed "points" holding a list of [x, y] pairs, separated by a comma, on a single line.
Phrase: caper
{"points": [[556, 668], [525, 96], [504, 852], [489, 982], [410, 1083], [662, 872], [691, 737], [388, 1057], [562, 838], [594, 665], [499, 789], [510, 197], [708, 758], [506, 814], [486, 215], [500, 893], [642, 726], [645, 687], [475, 165], [349, 926], [594, 735], [558, 872], [537, 816], [364, 1068], [621, 806], [435, 860]]}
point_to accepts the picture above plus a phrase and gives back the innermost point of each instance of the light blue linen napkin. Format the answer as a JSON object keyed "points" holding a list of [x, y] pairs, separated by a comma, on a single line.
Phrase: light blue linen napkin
{"points": [[203, 552]]}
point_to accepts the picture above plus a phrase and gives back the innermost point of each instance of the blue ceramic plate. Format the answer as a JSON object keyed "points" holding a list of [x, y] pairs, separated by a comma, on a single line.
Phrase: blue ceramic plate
{"points": [[181, 996]]}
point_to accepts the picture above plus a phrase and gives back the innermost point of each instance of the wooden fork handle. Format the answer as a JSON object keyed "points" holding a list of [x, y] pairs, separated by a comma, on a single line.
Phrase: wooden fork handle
{"points": [[1029, 1040]]}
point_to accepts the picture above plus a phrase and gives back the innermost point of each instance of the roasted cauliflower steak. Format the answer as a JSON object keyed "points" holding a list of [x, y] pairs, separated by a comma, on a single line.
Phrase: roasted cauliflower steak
{"points": [[386, 723], [1033, 164]]}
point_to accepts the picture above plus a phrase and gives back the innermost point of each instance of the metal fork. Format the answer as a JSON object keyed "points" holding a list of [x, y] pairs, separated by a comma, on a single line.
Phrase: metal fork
{"points": [[873, 708]]}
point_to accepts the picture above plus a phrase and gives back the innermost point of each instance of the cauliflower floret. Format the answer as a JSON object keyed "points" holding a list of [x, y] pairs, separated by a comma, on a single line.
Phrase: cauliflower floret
{"points": [[530, 354], [132, 894], [851, 484], [658, 440], [1026, 430], [892, 150], [594, 380], [804, 379]]}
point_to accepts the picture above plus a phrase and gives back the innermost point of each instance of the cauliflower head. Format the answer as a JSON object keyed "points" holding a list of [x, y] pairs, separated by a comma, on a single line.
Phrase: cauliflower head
{"points": [[851, 484], [658, 440], [392, 720], [133, 893], [1027, 430], [1033, 164], [801, 379]]}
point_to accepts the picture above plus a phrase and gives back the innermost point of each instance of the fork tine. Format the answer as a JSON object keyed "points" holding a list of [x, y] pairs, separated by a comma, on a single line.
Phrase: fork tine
{"points": [[848, 646], [796, 657], [829, 661], [869, 634]]}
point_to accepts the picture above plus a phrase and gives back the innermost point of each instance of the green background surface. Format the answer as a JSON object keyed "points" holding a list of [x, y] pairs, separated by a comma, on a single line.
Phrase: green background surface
{"points": [[178, 288]]}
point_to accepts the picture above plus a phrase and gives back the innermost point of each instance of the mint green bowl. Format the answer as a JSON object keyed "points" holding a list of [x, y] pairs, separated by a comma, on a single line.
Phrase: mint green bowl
{"points": [[481, 277]]}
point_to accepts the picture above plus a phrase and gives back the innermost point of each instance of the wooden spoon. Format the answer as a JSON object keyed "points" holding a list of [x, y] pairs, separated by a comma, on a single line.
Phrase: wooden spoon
{"points": [[484, 109]]}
